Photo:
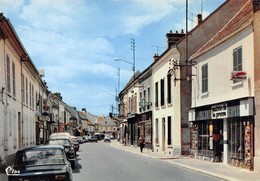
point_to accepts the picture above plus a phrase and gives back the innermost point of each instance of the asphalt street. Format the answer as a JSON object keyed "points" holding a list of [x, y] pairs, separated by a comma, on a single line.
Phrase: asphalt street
{"points": [[101, 162]]}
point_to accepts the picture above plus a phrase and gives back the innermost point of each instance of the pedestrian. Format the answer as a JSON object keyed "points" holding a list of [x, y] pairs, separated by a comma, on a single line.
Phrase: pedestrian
{"points": [[141, 143]]}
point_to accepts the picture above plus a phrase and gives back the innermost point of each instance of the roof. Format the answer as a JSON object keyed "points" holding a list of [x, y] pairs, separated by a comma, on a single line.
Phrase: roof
{"points": [[42, 147], [242, 18]]}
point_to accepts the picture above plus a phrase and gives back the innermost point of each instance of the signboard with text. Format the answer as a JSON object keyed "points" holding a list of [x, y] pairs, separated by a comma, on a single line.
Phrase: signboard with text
{"points": [[219, 111]]}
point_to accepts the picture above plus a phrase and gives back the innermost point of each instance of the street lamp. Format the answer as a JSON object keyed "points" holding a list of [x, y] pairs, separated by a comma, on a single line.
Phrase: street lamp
{"points": [[133, 64]]}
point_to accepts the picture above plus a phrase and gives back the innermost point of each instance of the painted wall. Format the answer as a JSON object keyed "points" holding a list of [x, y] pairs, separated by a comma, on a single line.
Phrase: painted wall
{"points": [[220, 66], [160, 71]]}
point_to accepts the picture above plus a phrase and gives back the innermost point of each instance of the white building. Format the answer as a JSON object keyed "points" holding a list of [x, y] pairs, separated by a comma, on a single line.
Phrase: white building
{"points": [[21, 93], [223, 93], [166, 110]]}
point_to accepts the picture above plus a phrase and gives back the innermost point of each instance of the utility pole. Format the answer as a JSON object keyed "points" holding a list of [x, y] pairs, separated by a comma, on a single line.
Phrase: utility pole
{"points": [[133, 49]]}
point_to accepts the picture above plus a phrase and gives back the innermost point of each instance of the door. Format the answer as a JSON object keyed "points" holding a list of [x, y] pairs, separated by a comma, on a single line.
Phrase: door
{"points": [[20, 137], [218, 140], [163, 134]]}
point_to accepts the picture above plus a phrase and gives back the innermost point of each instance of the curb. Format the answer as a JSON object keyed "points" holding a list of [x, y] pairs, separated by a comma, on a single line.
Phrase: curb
{"points": [[211, 174]]}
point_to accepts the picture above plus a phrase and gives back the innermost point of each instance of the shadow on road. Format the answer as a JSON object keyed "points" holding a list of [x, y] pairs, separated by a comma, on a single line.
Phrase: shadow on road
{"points": [[78, 166]]}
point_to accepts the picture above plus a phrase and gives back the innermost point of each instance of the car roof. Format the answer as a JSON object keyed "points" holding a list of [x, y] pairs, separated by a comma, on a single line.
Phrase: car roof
{"points": [[60, 134], [60, 137], [42, 147]]}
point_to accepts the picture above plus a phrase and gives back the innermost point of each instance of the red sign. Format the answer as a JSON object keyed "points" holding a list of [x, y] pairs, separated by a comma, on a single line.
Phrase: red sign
{"points": [[238, 75], [46, 107]]}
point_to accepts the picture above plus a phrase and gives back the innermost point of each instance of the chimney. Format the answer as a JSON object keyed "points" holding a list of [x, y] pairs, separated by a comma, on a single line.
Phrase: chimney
{"points": [[58, 94], [155, 57], [199, 17], [173, 38], [85, 111]]}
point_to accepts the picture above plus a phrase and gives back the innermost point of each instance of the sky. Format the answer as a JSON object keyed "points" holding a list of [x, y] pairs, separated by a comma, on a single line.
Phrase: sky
{"points": [[76, 41]]}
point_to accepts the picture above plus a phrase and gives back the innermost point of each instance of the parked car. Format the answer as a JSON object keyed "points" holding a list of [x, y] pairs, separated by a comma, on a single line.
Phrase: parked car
{"points": [[68, 146], [63, 134], [75, 143], [86, 138], [80, 139], [93, 138], [47, 162], [107, 139]]}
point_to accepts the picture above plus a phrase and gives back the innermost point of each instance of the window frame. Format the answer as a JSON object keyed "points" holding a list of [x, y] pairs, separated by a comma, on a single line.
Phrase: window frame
{"points": [[204, 78]]}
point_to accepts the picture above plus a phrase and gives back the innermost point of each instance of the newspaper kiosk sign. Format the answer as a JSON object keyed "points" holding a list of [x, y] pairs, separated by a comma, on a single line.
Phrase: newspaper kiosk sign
{"points": [[238, 75]]}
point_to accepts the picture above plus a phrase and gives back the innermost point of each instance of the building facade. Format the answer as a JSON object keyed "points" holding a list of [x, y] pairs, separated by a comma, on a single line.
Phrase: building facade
{"points": [[21, 96], [222, 113]]}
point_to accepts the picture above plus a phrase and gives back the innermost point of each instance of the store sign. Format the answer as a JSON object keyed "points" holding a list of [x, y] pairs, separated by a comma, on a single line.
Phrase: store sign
{"points": [[238, 75], [219, 111]]}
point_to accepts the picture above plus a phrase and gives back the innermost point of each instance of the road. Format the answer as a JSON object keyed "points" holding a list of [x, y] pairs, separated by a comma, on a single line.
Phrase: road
{"points": [[100, 162]]}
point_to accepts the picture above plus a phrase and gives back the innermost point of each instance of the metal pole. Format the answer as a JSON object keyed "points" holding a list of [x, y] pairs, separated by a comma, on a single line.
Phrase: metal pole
{"points": [[118, 74], [187, 47], [133, 49]]}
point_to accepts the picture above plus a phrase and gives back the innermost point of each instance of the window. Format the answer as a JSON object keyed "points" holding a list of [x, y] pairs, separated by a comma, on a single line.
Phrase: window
{"points": [[26, 91], [204, 78], [203, 139], [30, 94], [237, 59], [156, 94], [23, 89], [169, 130], [169, 89], [141, 100], [148, 97], [236, 139], [129, 104], [14, 86], [8, 74], [144, 99], [162, 92]]}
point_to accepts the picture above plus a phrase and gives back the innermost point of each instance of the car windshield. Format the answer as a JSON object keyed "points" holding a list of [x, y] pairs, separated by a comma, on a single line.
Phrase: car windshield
{"points": [[63, 142], [40, 157]]}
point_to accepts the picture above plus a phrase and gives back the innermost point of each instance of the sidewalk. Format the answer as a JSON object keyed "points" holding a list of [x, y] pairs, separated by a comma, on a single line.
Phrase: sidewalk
{"points": [[219, 170]]}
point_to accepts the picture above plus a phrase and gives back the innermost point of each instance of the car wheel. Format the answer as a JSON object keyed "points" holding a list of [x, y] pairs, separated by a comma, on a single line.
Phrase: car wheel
{"points": [[73, 164]]}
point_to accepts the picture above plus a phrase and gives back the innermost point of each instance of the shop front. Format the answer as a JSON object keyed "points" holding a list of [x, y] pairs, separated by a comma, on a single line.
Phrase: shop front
{"points": [[133, 129], [145, 128], [224, 132]]}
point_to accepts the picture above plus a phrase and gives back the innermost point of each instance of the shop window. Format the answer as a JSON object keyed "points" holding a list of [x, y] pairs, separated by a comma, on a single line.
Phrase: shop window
{"points": [[236, 146], [204, 140]]}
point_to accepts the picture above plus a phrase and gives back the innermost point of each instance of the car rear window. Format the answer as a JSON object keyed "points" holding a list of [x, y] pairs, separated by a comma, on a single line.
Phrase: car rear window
{"points": [[40, 157]]}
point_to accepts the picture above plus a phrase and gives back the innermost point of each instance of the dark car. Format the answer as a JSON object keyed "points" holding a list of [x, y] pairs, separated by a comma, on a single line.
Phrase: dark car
{"points": [[93, 138], [75, 143], [86, 138], [107, 139], [47, 162], [68, 147]]}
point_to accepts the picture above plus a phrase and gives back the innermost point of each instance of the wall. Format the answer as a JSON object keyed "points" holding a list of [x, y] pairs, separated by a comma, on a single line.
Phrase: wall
{"points": [[160, 71], [257, 88], [220, 66]]}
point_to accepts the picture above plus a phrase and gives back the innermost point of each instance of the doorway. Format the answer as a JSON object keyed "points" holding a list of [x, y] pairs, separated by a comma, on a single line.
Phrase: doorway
{"points": [[20, 137], [218, 140], [163, 134]]}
